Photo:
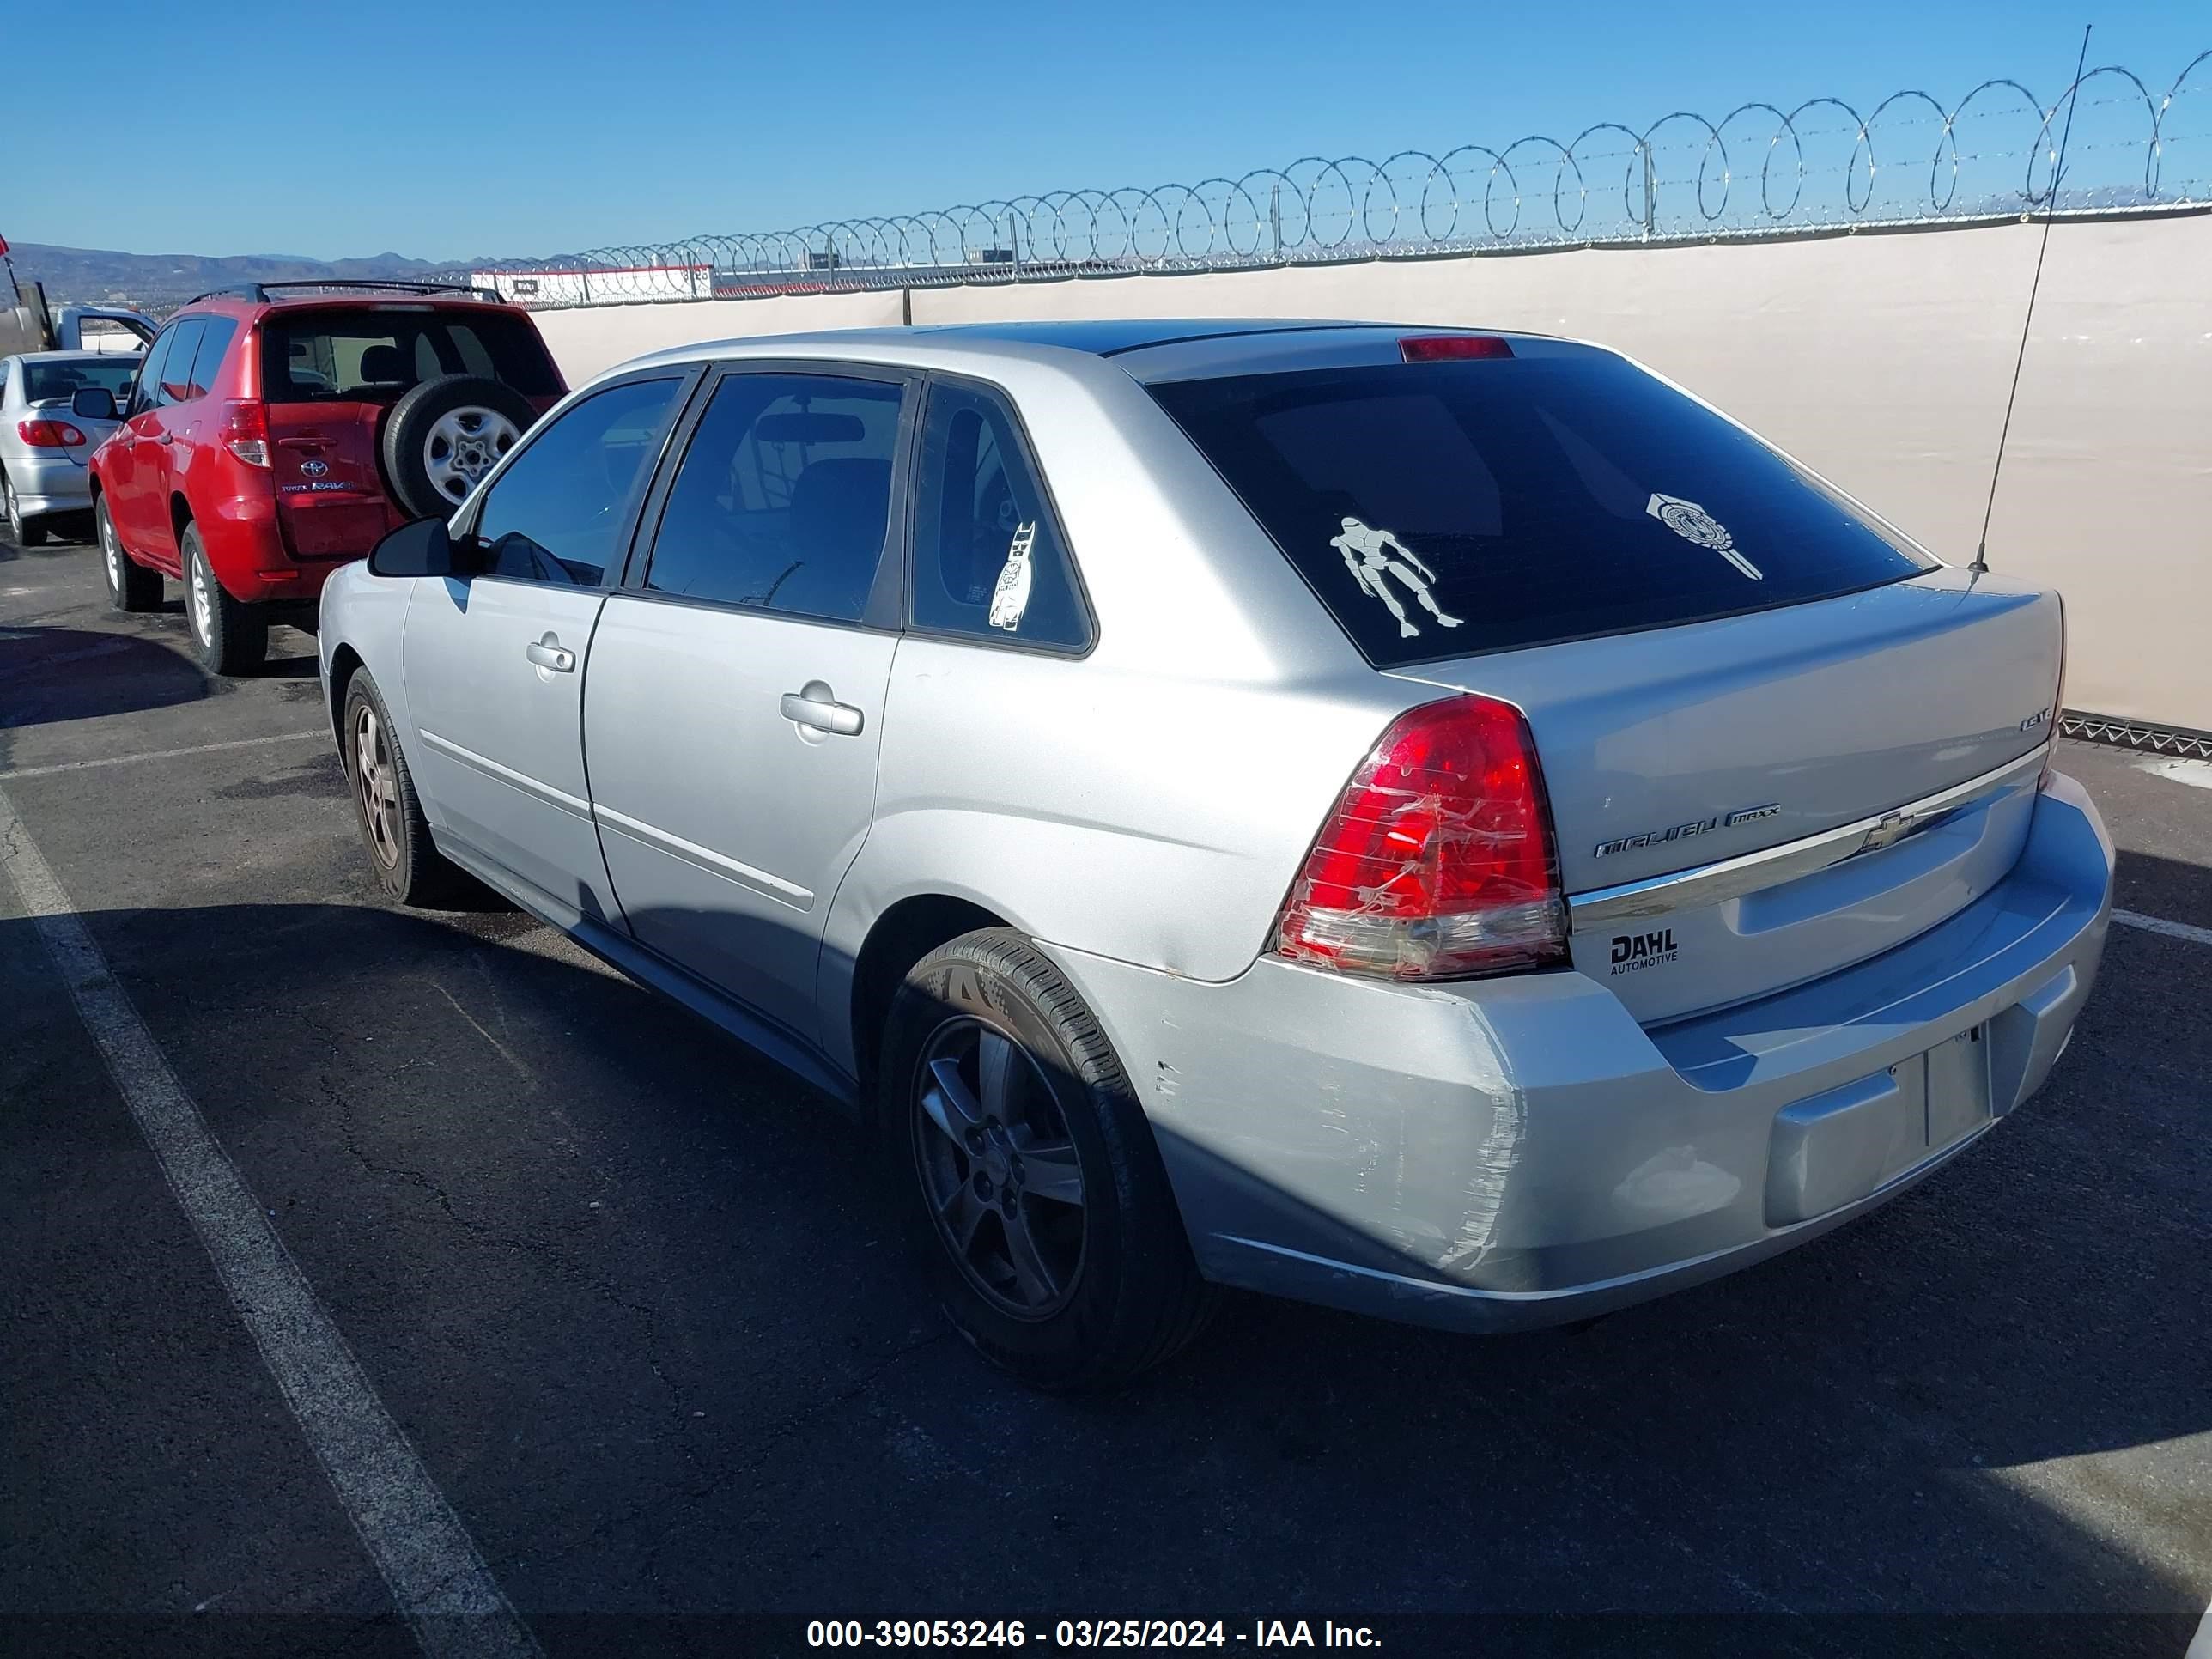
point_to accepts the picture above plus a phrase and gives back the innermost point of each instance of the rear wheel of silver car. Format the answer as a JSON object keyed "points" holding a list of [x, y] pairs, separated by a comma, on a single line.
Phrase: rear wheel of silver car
{"points": [[233, 636], [406, 862], [130, 587], [25, 533], [1035, 1189]]}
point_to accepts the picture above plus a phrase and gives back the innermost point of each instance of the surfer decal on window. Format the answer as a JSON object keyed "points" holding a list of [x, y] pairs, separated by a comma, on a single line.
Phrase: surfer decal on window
{"points": [[1375, 557]]}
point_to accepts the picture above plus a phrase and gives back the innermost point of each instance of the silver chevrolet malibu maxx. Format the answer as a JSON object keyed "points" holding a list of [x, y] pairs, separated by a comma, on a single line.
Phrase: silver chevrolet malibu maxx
{"points": [[1441, 823]]}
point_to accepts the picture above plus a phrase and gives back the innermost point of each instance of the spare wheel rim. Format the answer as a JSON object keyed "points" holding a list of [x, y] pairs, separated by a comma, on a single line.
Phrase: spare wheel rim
{"points": [[461, 446]]}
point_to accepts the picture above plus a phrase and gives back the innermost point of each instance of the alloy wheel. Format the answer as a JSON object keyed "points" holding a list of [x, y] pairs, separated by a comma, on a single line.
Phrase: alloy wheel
{"points": [[999, 1168], [465, 444], [14, 512], [376, 782], [111, 548], [203, 604]]}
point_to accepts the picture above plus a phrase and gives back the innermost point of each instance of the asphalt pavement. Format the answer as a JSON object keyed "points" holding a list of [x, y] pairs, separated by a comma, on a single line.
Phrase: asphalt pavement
{"points": [[626, 1291]]}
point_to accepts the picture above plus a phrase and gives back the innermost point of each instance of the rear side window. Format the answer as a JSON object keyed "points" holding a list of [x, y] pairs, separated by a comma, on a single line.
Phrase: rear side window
{"points": [[374, 353], [784, 496], [175, 386], [988, 560], [214, 341], [1444, 508]]}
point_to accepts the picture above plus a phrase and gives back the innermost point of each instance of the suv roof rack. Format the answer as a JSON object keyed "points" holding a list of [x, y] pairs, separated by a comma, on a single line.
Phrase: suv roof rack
{"points": [[261, 293]]}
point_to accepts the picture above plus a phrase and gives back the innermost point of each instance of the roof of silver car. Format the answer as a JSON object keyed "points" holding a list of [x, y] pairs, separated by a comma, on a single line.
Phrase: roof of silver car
{"points": [[1149, 349]]}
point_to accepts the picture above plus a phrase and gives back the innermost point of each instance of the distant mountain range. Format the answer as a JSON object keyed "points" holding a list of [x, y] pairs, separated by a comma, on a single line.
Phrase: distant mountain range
{"points": [[99, 277]]}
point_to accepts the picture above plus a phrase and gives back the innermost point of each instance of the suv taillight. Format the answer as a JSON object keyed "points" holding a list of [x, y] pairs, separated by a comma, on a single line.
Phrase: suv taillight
{"points": [[246, 430], [1438, 861], [49, 434]]}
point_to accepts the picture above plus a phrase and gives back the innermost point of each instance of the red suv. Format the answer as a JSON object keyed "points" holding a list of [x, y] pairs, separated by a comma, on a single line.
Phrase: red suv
{"points": [[269, 439]]}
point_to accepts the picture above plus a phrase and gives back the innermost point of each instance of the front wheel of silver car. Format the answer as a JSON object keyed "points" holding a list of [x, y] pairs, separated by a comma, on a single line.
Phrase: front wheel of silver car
{"points": [[1034, 1187], [394, 832]]}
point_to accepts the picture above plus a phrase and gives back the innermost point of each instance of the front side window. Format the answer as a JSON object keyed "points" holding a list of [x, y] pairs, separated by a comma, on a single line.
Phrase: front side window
{"points": [[784, 496], [146, 393], [988, 559], [1444, 508], [558, 512]]}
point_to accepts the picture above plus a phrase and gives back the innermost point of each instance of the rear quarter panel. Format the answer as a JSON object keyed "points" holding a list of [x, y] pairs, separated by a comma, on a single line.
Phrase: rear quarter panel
{"points": [[1152, 800]]}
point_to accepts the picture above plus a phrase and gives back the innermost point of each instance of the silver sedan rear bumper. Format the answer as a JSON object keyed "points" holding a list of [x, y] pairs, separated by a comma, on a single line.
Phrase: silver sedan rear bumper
{"points": [[1520, 1151], [49, 482]]}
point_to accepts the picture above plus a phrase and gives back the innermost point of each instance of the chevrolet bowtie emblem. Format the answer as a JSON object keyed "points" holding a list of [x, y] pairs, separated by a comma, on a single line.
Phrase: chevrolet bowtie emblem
{"points": [[1893, 827]]}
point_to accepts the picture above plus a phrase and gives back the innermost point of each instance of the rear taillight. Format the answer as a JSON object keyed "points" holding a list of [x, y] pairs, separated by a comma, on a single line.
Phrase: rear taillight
{"points": [[246, 430], [1452, 347], [49, 434], [1438, 860]]}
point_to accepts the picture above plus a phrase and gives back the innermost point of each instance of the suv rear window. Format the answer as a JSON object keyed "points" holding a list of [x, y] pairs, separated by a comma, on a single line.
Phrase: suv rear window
{"points": [[1444, 508], [376, 353]]}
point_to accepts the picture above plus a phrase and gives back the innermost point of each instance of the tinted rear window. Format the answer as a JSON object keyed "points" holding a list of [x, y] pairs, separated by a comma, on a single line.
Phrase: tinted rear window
{"points": [[1444, 508], [44, 382], [374, 355]]}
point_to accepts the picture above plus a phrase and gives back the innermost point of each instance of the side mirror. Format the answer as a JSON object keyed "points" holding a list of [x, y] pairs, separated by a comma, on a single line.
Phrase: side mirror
{"points": [[95, 403], [421, 549]]}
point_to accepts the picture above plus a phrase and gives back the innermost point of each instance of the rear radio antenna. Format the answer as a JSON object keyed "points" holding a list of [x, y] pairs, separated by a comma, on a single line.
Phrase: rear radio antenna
{"points": [[1980, 567]]}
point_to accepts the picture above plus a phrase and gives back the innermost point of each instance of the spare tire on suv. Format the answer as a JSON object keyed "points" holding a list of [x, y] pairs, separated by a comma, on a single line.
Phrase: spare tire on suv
{"points": [[444, 435]]}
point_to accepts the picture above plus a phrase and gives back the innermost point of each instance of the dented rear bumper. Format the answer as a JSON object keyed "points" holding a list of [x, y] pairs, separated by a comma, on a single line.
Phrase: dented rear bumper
{"points": [[1521, 1151]]}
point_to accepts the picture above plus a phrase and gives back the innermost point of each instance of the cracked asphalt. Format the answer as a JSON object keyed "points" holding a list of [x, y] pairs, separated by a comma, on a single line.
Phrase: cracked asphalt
{"points": [[621, 1284]]}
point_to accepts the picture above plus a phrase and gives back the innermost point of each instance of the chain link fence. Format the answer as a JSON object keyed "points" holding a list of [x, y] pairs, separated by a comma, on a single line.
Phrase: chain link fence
{"points": [[2137, 144]]}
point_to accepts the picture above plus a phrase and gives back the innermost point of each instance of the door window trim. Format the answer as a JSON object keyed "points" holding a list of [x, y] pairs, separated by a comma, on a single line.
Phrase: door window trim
{"points": [[688, 376], [886, 606], [1011, 407]]}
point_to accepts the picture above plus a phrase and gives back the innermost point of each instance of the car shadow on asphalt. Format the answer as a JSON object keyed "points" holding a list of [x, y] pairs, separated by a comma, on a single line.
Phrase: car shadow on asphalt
{"points": [[1878, 1420], [53, 674]]}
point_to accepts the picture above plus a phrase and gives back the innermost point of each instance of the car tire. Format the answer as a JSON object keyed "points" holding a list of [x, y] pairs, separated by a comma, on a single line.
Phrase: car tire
{"points": [[25, 532], [232, 636], [130, 586], [1068, 1267], [444, 435], [401, 854]]}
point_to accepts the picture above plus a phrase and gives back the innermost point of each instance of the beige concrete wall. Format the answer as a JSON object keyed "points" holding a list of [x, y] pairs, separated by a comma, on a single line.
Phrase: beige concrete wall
{"points": [[1881, 359], [588, 339]]}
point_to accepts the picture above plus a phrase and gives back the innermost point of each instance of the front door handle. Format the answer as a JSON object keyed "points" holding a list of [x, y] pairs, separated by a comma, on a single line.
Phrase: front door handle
{"points": [[550, 653], [815, 705]]}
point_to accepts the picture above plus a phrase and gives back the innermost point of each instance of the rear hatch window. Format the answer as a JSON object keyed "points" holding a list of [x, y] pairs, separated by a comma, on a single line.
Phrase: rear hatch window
{"points": [[1440, 509], [375, 353]]}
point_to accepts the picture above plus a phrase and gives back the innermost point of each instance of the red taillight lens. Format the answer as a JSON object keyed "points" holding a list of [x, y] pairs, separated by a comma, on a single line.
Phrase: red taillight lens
{"points": [[246, 430], [49, 434], [1451, 348], [1438, 861]]}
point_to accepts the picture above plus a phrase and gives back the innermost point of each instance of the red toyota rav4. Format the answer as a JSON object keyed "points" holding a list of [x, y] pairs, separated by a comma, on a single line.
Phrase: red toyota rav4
{"points": [[269, 439]]}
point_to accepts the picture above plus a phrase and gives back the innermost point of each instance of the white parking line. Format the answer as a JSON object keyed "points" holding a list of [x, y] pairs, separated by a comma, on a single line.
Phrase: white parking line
{"points": [[163, 754], [2170, 929], [2201, 1647], [436, 1575]]}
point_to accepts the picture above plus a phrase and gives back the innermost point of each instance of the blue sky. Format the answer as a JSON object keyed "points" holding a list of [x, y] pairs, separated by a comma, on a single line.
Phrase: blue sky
{"points": [[443, 130]]}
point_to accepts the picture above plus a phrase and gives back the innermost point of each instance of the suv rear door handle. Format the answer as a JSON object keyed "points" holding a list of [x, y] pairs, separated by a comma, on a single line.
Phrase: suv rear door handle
{"points": [[549, 653], [815, 705]]}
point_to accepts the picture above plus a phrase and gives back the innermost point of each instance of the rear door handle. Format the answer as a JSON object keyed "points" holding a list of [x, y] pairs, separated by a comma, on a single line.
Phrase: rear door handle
{"points": [[550, 653], [815, 705]]}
